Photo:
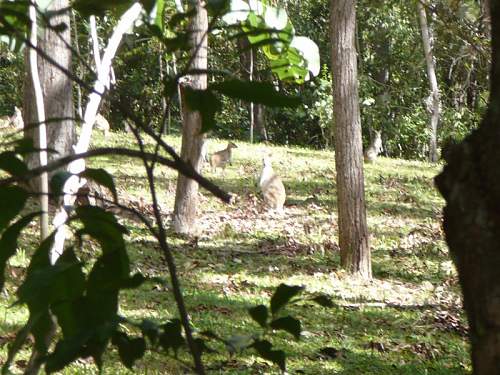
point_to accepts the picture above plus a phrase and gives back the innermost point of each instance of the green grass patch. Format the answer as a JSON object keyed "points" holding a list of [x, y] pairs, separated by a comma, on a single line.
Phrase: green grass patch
{"points": [[408, 320]]}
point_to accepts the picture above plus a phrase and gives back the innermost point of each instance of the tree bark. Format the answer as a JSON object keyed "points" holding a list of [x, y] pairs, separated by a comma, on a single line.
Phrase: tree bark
{"points": [[248, 61], [353, 230], [435, 107], [57, 91], [186, 196], [470, 183]]}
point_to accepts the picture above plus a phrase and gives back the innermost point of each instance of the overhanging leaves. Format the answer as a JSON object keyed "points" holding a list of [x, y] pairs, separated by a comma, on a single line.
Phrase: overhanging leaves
{"points": [[257, 92], [205, 102], [13, 200], [8, 243], [10, 163], [102, 177]]}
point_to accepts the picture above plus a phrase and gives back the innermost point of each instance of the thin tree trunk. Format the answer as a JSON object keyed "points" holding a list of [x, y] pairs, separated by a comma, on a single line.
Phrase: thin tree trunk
{"points": [[42, 131], [57, 92], [73, 183], [470, 184], [353, 230], [186, 197], [79, 107], [252, 114], [39, 349], [435, 107], [165, 126], [256, 111]]}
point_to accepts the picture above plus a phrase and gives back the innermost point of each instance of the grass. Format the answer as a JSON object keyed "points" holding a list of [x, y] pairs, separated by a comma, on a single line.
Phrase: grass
{"points": [[407, 320]]}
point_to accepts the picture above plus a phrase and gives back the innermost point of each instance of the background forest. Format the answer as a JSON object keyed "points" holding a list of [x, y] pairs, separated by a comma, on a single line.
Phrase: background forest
{"points": [[394, 87]]}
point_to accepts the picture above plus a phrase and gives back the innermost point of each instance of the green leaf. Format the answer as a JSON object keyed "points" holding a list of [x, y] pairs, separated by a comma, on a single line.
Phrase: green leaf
{"points": [[67, 351], [257, 92], [283, 294], [205, 102], [8, 243], [37, 289], [129, 349], [24, 146], [288, 324], [171, 336], [57, 182], [259, 314], [264, 348], [13, 200], [103, 286], [102, 226], [10, 163], [68, 293], [323, 300], [103, 178]]}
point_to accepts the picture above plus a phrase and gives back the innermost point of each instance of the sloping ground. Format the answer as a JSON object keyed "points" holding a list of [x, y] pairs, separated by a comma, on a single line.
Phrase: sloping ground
{"points": [[406, 321]]}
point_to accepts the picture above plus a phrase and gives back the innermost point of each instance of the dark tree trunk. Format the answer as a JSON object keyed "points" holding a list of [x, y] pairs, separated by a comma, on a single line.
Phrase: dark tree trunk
{"points": [[259, 115], [57, 90], [353, 230], [470, 183], [186, 196]]}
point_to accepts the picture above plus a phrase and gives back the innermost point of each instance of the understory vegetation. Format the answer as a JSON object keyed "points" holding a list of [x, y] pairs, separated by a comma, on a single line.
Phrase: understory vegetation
{"points": [[407, 320]]}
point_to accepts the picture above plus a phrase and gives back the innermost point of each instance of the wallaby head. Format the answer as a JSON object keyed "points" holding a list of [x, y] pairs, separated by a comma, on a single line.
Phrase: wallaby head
{"points": [[266, 161], [231, 145]]}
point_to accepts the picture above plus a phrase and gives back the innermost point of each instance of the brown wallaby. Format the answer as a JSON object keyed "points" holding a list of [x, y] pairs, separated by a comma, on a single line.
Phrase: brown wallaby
{"points": [[375, 147], [272, 187], [222, 157], [102, 124]]}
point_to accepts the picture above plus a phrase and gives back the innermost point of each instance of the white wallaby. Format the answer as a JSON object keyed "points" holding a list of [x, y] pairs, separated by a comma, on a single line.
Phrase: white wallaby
{"points": [[375, 147], [272, 187]]}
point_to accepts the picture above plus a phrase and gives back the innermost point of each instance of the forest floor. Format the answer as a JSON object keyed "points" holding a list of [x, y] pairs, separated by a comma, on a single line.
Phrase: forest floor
{"points": [[407, 320]]}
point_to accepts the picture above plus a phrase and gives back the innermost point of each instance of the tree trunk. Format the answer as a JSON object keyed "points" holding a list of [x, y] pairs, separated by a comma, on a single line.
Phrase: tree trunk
{"points": [[57, 91], [186, 196], [353, 230], [435, 105], [470, 183], [257, 111], [259, 114]]}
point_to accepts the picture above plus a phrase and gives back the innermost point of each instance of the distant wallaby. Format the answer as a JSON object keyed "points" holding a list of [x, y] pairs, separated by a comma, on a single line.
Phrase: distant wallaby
{"points": [[272, 187], [222, 157], [16, 120], [375, 147], [102, 124]]}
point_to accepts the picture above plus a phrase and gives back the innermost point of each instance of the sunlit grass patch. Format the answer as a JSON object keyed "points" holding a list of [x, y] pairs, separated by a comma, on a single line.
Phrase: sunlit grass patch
{"points": [[406, 321]]}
